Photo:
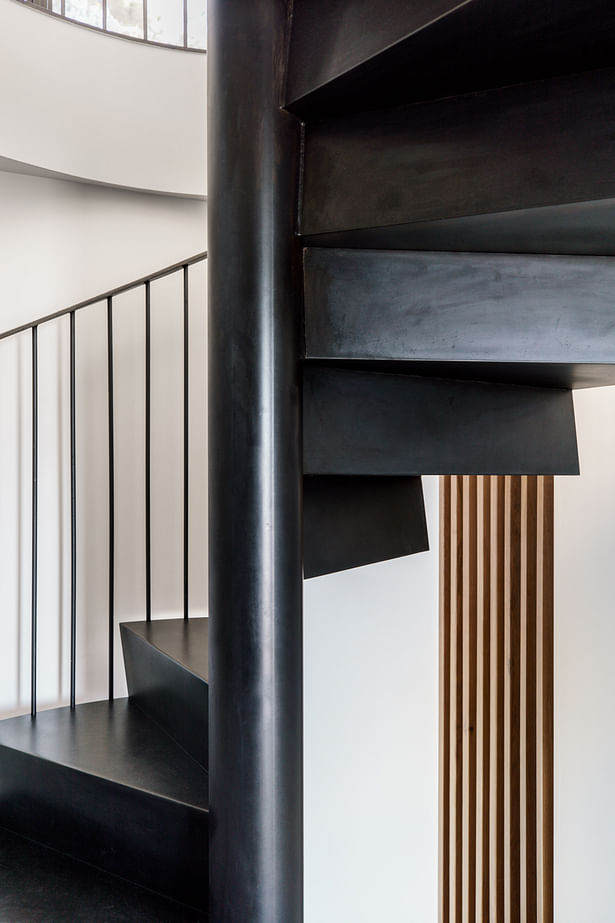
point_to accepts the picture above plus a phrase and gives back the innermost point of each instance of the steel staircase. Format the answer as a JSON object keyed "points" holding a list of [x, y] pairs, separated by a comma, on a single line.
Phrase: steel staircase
{"points": [[444, 282]]}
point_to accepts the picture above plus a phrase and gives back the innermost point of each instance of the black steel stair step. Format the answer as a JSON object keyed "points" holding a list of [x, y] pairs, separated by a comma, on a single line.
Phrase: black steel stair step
{"points": [[529, 319], [186, 641], [523, 168], [42, 885], [354, 55], [167, 674], [370, 423], [353, 521], [104, 784]]}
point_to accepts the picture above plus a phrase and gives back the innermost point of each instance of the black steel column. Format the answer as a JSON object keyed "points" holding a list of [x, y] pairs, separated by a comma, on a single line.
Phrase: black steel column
{"points": [[255, 640]]}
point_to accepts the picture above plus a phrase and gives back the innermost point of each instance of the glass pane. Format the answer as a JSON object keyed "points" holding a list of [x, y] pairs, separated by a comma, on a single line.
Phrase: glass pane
{"points": [[165, 21], [57, 6], [89, 11], [197, 23], [125, 17]]}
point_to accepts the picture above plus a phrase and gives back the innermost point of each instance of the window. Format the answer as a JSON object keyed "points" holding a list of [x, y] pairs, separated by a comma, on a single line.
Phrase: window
{"points": [[168, 22], [165, 21], [88, 11], [125, 17], [197, 24]]}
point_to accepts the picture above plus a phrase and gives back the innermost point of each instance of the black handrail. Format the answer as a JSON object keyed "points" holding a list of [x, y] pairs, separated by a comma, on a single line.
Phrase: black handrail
{"points": [[33, 326], [120, 290]]}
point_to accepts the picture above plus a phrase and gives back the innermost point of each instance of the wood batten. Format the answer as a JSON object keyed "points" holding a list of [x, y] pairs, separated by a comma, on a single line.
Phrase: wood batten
{"points": [[496, 699]]}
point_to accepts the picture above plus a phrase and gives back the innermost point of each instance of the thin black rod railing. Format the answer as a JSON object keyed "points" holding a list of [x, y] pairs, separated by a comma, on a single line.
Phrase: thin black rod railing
{"points": [[73, 518], [148, 455], [104, 296], [111, 493], [186, 440], [104, 15], [33, 326], [145, 20], [34, 613], [185, 12]]}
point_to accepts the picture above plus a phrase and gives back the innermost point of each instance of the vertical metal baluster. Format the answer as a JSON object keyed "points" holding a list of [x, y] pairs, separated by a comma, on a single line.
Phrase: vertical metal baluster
{"points": [[186, 441], [73, 518], [104, 15], [145, 19], [63, 8], [148, 435], [111, 491], [34, 625], [185, 23]]}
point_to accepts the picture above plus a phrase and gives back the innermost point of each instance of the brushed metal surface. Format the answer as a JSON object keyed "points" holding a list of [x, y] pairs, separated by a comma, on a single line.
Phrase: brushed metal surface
{"points": [[166, 672], [186, 641], [349, 55], [104, 784], [528, 312], [255, 475], [547, 143], [361, 423], [352, 521]]}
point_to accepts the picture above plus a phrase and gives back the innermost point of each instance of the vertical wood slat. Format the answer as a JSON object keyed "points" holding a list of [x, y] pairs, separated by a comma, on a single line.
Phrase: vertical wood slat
{"points": [[445, 703], [469, 669], [483, 713], [496, 699], [496, 689], [457, 692]]}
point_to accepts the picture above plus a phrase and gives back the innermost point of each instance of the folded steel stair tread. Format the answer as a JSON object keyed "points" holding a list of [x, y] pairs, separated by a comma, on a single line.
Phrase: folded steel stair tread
{"points": [[166, 672], [183, 640], [113, 741], [107, 786]]}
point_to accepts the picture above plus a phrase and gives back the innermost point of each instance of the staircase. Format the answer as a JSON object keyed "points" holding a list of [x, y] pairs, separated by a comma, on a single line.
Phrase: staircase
{"points": [[443, 284], [457, 223], [433, 275], [113, 787]]}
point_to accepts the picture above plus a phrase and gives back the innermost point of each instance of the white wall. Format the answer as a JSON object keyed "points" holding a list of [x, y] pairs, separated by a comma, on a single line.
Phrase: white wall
{"points": [[100, 108], [584, 670], [371, 739], [62, 242]]}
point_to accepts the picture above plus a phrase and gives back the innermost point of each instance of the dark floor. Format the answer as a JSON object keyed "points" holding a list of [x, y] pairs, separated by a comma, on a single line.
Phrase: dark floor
{"points": [[40, 885]]}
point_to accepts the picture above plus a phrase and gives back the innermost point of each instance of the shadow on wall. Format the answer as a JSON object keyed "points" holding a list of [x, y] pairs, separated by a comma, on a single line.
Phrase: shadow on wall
{"points": [[92, 487]]}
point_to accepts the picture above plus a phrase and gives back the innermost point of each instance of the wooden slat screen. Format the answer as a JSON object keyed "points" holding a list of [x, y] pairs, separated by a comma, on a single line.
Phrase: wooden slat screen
{"points": [[496, 699]]}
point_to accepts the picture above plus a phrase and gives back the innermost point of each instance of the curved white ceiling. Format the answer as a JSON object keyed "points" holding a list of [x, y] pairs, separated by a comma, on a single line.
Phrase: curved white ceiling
{"points": [[89, 106]]}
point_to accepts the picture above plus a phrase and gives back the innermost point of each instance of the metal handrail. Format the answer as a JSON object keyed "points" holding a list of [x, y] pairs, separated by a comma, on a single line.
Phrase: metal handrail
{"points": [[131, 38], [143, 282], [167, 271]]}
